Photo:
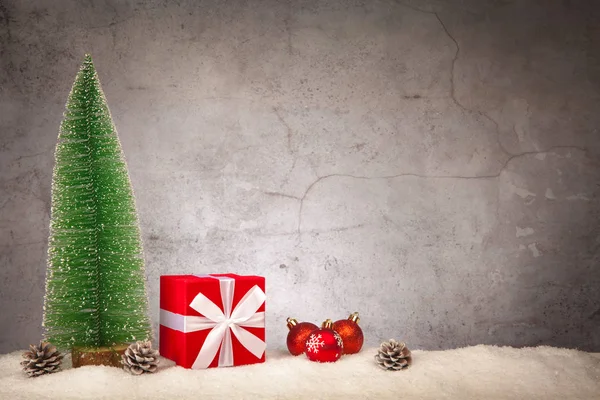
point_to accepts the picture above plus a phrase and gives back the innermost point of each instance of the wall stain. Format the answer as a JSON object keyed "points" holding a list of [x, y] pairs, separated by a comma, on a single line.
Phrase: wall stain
{"points": [[5, 19]]}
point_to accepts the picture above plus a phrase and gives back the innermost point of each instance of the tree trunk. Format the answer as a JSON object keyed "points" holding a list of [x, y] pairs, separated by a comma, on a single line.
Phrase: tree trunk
{"points": [[109, 356]]}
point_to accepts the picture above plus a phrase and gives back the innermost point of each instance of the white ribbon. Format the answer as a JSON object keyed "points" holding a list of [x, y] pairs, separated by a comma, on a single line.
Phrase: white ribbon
{"points": [[222, 323]]}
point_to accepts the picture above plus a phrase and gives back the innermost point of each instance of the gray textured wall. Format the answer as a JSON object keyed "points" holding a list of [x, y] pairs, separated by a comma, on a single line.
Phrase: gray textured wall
{"points": [[433, 165]]}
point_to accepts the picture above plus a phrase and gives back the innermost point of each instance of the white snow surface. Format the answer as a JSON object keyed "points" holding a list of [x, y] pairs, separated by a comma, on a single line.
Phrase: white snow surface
{"points": [[478, 372]]}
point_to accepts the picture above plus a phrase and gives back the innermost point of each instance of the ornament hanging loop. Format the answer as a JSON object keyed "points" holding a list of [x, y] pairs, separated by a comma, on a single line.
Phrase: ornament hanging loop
{"points": [[291, 322], [327, 324]]}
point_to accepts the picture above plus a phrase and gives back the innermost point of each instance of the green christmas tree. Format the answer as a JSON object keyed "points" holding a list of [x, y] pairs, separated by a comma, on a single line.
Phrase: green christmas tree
{"points": [[95, 282]]}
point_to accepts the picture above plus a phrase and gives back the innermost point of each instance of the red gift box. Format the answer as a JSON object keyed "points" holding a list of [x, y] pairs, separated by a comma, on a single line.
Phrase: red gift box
{"points": [[212, 320]]}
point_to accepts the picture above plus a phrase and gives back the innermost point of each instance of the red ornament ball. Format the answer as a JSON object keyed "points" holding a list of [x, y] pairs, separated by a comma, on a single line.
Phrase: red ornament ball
{"points": [[351, 333], [324, 345], [299, 332]]}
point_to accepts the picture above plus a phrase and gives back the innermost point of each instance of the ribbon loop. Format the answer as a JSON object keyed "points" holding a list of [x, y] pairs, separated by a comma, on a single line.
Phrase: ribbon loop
{"points": [[209, 309], [248, 305]]}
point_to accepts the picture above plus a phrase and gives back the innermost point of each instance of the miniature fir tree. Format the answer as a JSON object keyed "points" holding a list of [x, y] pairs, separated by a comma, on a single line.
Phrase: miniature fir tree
{"points": [[95, 282]]}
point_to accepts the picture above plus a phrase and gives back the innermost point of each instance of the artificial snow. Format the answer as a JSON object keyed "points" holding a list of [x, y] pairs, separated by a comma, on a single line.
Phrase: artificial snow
{"points": [[479, 372]]}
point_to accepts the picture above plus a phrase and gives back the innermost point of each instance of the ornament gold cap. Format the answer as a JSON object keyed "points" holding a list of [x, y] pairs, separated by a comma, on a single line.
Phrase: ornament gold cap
{"points": [[291, 322], [354, 317], [327, 324]]}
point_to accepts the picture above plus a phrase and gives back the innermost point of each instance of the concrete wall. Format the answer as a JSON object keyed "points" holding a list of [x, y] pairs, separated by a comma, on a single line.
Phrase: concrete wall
{"points": [[433, 165]]}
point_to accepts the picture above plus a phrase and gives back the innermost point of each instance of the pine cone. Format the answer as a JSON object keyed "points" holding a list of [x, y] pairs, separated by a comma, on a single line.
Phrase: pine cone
{"points": [[393, 356], [41, 359], [140, 358]]}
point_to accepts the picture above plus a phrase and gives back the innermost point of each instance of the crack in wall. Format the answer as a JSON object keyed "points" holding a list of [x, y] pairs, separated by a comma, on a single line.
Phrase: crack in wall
{"points": [[34, 154], [23, 244], [259, 233], [452, 77], [113, 23], [423, 176], [288, 32], [278, 194], [289, 145]]}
